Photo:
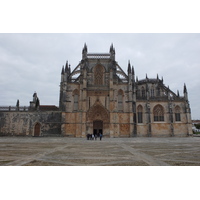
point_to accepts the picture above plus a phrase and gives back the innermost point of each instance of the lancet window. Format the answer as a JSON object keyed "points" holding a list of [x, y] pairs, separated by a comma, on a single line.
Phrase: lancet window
{"points": [[139, 114], [158, 113], [143, 92], [177, 114]]}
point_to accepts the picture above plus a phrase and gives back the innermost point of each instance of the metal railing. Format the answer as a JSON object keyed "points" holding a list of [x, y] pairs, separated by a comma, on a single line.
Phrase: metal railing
{"points": [[98, 56]]}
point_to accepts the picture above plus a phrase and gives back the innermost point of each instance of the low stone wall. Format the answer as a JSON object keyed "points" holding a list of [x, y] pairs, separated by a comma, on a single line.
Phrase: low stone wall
{"points": [[22, 123]]}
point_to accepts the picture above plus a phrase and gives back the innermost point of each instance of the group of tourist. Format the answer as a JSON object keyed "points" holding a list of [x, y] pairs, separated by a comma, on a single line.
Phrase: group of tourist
{"points": [[94, 136]]}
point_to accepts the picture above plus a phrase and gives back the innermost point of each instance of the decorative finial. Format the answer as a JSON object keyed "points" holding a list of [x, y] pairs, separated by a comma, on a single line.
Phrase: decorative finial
{"points": [[69, 69], [111, 47], [129, 67], [62, 72], [133, 72], [178, 93], [66, 67], [185, 88]]}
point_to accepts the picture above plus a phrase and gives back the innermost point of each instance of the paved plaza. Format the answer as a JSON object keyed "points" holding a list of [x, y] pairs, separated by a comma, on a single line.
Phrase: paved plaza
{"points": [[63, 151]]}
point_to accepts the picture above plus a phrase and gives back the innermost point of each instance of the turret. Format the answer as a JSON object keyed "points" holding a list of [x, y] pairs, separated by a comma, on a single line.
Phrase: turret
{"points": [[35, 103]]}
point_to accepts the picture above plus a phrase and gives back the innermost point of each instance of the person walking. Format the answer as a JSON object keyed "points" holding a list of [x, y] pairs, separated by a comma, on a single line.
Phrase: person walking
{"points": [[100, 136], [95, 136]]}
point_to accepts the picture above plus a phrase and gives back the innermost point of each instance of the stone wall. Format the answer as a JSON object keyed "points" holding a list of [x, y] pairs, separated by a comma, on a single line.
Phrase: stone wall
{"points": [[23, 123]]}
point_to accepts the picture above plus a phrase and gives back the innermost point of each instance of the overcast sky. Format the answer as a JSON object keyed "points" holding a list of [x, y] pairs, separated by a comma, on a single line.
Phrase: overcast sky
{"points": [[33, 62]]}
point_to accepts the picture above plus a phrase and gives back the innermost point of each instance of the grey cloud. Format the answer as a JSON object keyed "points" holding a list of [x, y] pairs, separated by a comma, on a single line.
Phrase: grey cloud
{"points": [[33, 62]]}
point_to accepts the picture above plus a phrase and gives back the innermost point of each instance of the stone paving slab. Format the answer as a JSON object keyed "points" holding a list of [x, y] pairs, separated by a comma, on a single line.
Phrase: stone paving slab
{"points": [[63, 151]]}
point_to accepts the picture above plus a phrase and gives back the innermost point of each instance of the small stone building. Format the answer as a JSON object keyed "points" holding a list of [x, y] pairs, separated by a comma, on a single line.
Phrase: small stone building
{"points": [[99, 97]]}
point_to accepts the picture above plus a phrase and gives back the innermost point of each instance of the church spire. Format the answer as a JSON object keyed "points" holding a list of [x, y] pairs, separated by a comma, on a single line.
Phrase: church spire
{"points": [[85, 48], [185, 92], [133, 72], [111, 48], [84, 52], [66, 67], [62, 72], [178, 93], [129, 67], [185, 88], [112, 52]]}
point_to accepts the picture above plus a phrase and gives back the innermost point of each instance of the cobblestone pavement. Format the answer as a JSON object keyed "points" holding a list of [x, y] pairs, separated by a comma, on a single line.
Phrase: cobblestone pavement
{"points": [[62, 151]]}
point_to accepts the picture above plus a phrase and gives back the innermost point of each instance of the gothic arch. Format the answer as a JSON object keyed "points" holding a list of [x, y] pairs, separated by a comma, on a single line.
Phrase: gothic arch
{"points": [[98, 112], [139, 108], [177, 109], [143, 92], [158, 113], [37, 129], [120, 92], [140, 114], [75, 92], [99, 74], [177, 113], [152, 93]]}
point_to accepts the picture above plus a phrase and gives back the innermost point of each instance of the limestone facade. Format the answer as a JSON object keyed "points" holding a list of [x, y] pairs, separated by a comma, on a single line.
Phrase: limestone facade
{"points": [[99, 97]]}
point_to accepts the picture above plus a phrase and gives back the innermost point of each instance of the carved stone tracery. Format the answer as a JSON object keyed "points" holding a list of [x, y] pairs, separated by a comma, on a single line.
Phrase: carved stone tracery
{"points": [[98, 75], [98, 112]]}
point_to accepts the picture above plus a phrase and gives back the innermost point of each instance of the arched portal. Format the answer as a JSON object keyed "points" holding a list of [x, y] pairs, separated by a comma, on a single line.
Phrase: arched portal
{"points": [[37, 129], [97, 127], [98, 119]]}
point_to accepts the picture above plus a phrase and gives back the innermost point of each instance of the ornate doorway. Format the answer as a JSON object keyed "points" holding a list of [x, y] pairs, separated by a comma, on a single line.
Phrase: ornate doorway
{"points": [[98, 119], [97, 127], [37, 129]]}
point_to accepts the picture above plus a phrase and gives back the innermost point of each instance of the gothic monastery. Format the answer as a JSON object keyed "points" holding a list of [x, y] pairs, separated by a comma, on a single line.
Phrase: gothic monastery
{"points": [[99, 97]]}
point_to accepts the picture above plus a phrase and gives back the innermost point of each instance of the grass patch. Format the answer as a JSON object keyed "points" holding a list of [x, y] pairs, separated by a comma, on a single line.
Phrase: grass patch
{"points": [[194, 132]]}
